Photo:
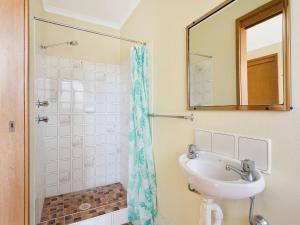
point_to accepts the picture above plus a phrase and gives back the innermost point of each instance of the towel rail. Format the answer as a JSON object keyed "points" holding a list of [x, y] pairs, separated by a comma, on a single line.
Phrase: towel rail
{"points": [[186, 117]]}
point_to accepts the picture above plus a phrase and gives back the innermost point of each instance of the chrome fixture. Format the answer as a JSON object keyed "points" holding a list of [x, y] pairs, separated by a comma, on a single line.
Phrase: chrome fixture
{"points": [[88, 31], [42, 103], [192, 154], [190, 117], [248, 170], [257, 219], [193, 190], [70, 43], [44, 119]]}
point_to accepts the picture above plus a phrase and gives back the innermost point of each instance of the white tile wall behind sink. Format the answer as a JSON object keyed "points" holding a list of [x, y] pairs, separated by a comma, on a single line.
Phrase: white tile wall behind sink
{"points": [[257, 150], [224, 144], [203, 140], [236, 146]]}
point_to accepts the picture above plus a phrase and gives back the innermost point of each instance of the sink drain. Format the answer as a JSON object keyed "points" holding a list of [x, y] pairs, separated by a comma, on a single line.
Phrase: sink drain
{"points": [[84, 206]]}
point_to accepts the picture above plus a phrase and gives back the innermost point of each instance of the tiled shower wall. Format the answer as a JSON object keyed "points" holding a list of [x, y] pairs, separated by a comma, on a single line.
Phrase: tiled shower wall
{"points": [[124, 118], [82, 137]]}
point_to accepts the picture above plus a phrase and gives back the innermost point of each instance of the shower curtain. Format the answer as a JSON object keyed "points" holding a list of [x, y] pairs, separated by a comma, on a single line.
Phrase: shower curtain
{"points": [[141, 200]]}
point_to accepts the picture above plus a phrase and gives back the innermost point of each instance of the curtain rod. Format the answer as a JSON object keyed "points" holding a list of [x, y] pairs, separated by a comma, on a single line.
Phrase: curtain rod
{"points": [[88, 31]]}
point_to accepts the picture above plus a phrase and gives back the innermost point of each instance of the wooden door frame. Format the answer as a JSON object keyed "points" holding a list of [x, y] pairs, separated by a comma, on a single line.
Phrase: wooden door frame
{"points": [[26, 111], [261, 14], [14, 123]]}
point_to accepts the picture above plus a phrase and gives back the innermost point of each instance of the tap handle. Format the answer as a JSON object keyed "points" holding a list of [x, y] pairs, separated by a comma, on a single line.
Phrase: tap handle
{"points": [[192, 148], [42, 103], [44, 119], [248, 165]]}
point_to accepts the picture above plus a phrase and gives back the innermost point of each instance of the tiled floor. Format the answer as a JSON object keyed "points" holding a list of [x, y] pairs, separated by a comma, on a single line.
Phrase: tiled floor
{"points": [[64, 209]]}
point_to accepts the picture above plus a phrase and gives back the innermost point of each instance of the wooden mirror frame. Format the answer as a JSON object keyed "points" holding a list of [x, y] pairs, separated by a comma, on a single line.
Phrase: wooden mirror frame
{"points": [[261, 14], [269, 10]]}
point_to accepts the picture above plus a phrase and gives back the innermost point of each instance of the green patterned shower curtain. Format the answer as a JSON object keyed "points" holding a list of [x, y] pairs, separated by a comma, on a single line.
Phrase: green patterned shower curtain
{"points": [[142, 180]]}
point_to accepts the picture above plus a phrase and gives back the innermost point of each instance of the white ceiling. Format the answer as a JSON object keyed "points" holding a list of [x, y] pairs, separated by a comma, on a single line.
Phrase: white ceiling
{"points": [[265, 33], [111, 13]]}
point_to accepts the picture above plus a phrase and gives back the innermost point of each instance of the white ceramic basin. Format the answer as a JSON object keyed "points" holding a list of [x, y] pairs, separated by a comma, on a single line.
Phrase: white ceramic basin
{"points": [[208, 175]]}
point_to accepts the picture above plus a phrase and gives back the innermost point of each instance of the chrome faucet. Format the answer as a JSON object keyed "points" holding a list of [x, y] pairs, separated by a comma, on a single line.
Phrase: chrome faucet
{"points": [[248, 170], [192, 154]]}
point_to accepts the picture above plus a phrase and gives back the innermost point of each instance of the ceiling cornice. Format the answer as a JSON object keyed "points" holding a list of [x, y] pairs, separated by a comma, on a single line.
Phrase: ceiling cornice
{"points": [[68, 13]]}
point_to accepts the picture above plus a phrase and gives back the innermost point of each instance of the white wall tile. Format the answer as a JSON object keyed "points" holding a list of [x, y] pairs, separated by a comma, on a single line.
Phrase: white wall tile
{"points": [[52, 154], [51, 131], [65, 165], [258, 150], [77, 142], [66, 85], [51, 179], [120, 217], [65, 96], [64, 153], [77, 174], [52, 119], [224, 144], [237, 146], [78, 130], [65, 131], [65, 120], [78, 119], [52, 167], [65, 73], [78, 96], [51, 190], [65, 108], [203, 140], [65, 142]]}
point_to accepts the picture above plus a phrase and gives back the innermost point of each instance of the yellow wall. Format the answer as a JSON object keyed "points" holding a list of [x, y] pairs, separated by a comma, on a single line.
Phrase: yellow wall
{"points": [[162, 23], [91, 47]]}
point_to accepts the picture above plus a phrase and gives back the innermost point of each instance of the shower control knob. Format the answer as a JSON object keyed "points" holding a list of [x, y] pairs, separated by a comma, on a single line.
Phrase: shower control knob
{"points": [[42, 103], [44, 119]]}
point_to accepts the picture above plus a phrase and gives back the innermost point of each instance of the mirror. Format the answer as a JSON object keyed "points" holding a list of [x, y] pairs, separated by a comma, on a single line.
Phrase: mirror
{"points": [[238, 57]]}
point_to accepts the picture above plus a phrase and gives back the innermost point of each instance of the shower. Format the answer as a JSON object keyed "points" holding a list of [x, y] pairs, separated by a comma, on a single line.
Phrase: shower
{"points": [[80, 127], [70, 43]]}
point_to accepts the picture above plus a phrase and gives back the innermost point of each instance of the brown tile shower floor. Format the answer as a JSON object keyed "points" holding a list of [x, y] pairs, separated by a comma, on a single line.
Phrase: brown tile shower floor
{"points": [[64, 209]]}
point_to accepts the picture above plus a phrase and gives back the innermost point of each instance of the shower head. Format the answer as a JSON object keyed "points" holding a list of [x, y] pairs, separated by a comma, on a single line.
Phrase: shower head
{"points": [[71, 43]]}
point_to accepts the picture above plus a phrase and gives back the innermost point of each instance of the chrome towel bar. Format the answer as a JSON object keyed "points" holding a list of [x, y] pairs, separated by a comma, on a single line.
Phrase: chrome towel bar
{"points": [[187, 117]]}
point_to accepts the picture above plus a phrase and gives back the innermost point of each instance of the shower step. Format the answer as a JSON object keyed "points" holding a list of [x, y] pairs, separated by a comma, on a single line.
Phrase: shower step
{"points": [[65, 209]]}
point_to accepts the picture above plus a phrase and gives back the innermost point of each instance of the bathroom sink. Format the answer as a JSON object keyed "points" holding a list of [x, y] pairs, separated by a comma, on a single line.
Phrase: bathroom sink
{"points": [[207, 174]]}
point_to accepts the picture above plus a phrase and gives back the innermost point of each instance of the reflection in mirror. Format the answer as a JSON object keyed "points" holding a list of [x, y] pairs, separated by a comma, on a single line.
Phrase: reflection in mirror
{"points": [[238, 57], [264, 83], [201, 79]]}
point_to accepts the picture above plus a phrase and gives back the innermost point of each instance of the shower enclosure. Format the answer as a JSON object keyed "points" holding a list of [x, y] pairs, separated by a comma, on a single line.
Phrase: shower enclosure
{"points": [[79, 126]]}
